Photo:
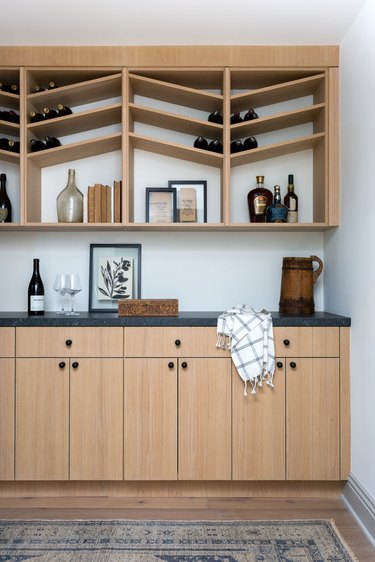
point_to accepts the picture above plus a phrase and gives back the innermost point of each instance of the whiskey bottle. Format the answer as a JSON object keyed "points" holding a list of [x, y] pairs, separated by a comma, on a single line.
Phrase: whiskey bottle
{"points": [[277, 211], [216, 117], [250, 115], [291, 201], [250, 143], [258, 200], [5, 205], [201, 143], [35, 116], [236, 118], [63, 110]]}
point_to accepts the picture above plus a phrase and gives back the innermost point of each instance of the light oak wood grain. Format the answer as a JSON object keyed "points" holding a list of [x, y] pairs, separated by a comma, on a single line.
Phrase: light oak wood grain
{"points": [[7, 342], [307, 341], [7, 411]]}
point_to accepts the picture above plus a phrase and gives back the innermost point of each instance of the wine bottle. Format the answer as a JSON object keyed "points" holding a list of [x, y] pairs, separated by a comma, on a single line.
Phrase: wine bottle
{"points": [[13, 146], [36, 292], [63, 110], [52, 85], [215, 146], [236, 118], [201, 143], [37, 145], [9, 88], [36, 88], [14, 89], [236, 146], [52, 142], [291, 201], [12, 116], [50, 113], [216, 117], [35, 116], [250, 115], [4, 143], [5, 204], [250, 143]]}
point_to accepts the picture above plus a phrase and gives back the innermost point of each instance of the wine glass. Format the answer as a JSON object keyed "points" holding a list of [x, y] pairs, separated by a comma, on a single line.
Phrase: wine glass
{"points": [[60, 287], [73, 286]]}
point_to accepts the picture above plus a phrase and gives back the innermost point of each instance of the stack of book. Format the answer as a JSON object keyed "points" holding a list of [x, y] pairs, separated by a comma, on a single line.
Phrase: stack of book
{"points": [[104, 203]]}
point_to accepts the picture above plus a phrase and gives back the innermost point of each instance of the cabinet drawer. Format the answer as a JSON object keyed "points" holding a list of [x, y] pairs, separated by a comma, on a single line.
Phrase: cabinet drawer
{"points": [[7, 341], [172, 342], [68, 342], [307, 342]]}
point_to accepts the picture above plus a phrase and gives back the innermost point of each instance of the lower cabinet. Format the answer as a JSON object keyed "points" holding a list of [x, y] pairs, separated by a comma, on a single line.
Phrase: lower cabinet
{"points": [[69, 419], [177, 419], [7, 393]]}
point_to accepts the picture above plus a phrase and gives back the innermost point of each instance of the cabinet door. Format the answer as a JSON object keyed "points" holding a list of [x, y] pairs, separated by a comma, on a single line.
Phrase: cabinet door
{"points": [[150, 419], [7, 419], [7, 342], [204, 422], [96, 419], [258, 426], [312, 407], [42, 419]]}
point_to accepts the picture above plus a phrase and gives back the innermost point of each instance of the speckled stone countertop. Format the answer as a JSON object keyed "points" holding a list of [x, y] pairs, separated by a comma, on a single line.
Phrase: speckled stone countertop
{"points": [[51, 319]]}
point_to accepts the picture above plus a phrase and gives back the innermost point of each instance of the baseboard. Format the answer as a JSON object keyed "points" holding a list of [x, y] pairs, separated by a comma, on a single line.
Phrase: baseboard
{"points": [[362, 506]]}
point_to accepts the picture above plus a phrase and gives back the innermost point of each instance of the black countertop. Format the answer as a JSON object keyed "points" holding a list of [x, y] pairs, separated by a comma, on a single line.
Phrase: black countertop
{"points": [[183, 319]]}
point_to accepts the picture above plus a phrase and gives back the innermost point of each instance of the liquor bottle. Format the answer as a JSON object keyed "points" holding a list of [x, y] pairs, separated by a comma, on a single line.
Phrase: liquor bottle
{"points": [[5, 204], [258, 200], [37, 145], [201, 143], [52, 85], [216, 146], [216, 117], [50, 113], [250, 115], [70, 201], [35, 116], [277, 211], [291, 201], [236, 146], [36, 88], [35, 306], [52, 142], [250, 143], [236, 118], [63, 110]]}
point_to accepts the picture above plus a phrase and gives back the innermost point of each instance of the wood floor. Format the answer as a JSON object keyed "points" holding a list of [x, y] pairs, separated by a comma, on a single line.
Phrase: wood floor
{"points": [[194, 508]]}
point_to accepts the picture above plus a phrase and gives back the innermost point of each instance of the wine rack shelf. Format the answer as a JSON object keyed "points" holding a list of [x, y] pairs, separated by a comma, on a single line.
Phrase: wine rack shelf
{"points": [[161, 111]]}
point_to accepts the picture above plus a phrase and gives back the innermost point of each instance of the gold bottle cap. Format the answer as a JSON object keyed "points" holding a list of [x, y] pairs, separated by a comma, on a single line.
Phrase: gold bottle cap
{"points": [[260, 179], [60, 106]]}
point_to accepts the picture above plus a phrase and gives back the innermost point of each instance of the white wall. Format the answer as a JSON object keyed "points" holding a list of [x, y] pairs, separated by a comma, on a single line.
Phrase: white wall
{"points": [[206, 271], [349, 251]]}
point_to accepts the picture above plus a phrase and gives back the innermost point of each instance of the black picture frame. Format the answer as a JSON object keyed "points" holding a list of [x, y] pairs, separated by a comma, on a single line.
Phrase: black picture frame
{"points": [[201, 187], [103, 284], [172, 217]]}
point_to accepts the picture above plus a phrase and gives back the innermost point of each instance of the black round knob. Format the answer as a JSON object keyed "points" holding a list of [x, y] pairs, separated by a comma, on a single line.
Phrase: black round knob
{"points": [[184, 365], [62, 364], [171, 364], [293, 365], [286, 342], [178, 342], [68, 343], [279, 364], [75, 364]]}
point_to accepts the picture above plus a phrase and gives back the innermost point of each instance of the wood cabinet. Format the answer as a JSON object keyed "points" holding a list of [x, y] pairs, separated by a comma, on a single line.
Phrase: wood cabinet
{"points": [[161, 107], [202, 421], [7, 396], [69, 410]]}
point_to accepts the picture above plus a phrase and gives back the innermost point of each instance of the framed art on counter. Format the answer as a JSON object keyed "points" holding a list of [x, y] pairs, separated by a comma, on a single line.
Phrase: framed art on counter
{"points": [[115, 273]]}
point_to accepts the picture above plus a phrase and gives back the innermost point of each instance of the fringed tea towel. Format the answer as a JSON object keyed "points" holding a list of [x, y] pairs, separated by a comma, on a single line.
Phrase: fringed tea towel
{"points": [[248, 334]]}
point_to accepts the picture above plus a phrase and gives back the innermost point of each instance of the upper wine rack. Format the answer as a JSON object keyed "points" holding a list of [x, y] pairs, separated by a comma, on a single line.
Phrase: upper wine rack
{"points": [[164, 111]]}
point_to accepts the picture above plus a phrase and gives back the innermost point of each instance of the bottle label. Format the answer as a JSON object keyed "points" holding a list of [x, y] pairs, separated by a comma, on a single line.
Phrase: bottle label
{"points": [[292, 204], [260, 204], [36, 303], [3, 214], [292, 216]]}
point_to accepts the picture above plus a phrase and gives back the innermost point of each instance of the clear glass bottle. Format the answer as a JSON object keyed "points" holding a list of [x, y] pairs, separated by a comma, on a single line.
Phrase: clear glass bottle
{"points": [[291, 201], [258, 200], [277, 211], [70, 201]]}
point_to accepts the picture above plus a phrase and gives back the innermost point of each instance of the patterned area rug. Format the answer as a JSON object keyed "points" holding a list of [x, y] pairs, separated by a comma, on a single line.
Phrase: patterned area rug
{"points": [[172, 541]]}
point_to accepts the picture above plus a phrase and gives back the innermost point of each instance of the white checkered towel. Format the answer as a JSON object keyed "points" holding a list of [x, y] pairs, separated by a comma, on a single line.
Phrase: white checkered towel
{"points": [[248, 334]]}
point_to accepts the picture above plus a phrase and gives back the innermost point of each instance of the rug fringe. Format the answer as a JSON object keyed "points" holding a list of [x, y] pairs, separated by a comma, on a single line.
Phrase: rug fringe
{"points": [[345, 544]]}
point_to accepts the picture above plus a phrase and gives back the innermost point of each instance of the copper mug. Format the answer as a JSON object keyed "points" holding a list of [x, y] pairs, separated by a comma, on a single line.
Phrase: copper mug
{"points": [[297, 285]]}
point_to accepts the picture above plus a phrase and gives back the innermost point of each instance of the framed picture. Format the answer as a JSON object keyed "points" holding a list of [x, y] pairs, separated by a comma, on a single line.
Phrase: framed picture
{"points": [[191, 200], [115, 273], [160, 204]]}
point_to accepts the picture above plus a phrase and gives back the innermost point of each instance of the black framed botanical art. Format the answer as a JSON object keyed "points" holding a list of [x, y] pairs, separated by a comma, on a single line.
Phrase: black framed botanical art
{"points": [[115, 273]]}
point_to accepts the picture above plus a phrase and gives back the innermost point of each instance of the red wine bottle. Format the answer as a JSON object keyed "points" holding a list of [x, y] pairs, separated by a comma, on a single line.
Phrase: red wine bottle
{"points": [[35, 116], [12, 116], [52, 142], [250, 143], [4, 143], [63, 110], [13, 146], [236, 118], [5, 204], [250, 115], [216, 117], [35, 292], [36, 88], [52, 85], [50, 113], [236, 146], [215, 146], [37, 145], [201, 143]]}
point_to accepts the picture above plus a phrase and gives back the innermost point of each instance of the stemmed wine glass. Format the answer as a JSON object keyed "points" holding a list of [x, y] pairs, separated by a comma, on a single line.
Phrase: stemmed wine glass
{"points": [[60, 287], [73, 286]]}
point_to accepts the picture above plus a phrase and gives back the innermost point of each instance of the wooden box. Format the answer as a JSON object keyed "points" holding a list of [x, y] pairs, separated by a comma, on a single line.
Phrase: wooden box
{"points": [[148, 307]]}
